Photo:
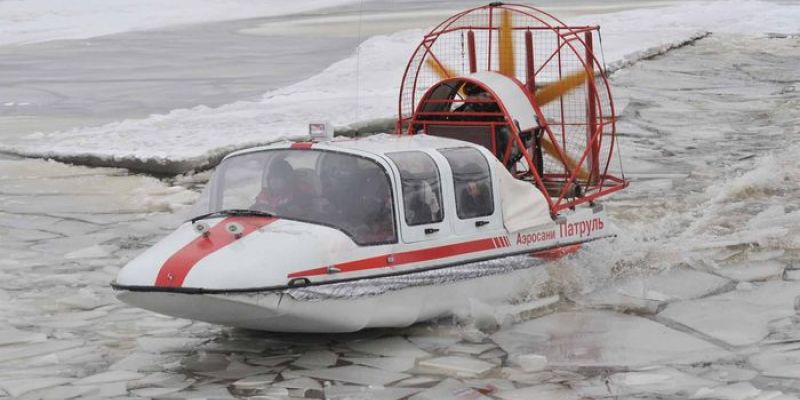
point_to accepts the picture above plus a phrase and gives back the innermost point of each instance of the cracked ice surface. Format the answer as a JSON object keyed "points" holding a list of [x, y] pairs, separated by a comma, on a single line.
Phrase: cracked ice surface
{"points": [[605, 339], [738, 318]]}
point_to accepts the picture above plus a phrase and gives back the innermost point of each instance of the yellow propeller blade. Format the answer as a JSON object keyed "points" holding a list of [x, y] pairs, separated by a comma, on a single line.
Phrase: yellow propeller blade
{"points": [[543, 95], [552, 92], [507, 66], [442, 71], [553, 150], [555, 90]]}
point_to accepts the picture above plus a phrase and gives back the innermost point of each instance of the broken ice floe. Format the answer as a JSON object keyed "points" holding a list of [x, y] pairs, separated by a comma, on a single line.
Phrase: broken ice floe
{"points": [[738, 318], [605, 339]]}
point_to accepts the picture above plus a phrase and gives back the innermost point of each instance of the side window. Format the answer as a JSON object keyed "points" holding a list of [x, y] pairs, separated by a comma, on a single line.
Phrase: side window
{"points": [[422, 191], [473, 183]]}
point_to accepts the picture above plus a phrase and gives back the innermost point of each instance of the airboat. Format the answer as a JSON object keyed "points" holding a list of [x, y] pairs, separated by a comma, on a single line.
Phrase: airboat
{"points": [[502, 150]]}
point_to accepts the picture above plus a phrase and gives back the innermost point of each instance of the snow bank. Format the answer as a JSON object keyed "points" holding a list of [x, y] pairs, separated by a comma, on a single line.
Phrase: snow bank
{"points": [[196, 138], [31, 21]]}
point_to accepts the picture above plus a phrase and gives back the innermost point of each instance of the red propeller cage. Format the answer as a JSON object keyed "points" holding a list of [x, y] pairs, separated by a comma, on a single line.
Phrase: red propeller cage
{"points": [[581, 123]]}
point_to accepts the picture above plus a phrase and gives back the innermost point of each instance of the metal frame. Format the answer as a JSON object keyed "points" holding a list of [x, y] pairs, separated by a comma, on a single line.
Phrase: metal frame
{"points": [[600, 127]]}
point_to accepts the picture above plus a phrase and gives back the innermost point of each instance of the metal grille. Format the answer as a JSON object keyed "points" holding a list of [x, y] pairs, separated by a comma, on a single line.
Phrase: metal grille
{"points": [[558, 50]]}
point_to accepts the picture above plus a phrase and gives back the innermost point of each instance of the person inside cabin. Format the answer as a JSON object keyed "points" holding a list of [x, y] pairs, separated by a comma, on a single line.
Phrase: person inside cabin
{"points": [[375, 204], [479, 100], [279, 194], [475, 199], [340, 177]]}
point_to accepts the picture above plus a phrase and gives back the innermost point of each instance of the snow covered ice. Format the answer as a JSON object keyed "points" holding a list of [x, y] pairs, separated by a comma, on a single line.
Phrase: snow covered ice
{"points": [[709, 138]]}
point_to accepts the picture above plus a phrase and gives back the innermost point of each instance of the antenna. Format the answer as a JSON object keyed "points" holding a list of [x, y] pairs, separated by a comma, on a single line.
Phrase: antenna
{"points": [[358, 65]]}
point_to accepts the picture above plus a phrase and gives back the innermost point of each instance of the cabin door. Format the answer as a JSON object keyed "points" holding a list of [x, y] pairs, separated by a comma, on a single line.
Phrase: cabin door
{"points": [[474, 203], [421, 203]]}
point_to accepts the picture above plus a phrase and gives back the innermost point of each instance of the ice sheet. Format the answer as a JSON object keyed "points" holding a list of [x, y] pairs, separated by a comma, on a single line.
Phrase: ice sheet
{"points": [[456, 366], [355, 374], [604, 339], [741, 317], [187, 139]]}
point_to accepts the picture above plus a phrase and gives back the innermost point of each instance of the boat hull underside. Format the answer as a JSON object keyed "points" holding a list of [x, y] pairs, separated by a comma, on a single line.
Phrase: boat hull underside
{"points": [[280, 311]]}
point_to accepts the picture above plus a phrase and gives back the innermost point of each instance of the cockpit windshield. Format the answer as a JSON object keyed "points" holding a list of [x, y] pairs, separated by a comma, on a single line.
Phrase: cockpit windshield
{"points": [[344, 191]]}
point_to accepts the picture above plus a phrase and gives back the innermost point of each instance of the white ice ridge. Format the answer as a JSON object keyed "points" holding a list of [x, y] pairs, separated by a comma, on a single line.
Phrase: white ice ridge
{"points": [[32, 21], [195, 138]]}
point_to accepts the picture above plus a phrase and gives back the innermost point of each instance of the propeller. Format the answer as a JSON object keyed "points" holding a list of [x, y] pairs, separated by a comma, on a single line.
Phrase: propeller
{"points": [[506, 44], [542, 96]]}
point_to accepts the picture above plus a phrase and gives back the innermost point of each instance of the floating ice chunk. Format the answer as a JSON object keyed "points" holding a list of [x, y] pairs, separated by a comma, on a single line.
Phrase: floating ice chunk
{"points": [[471, 349], [355, 374], [205, 392], [778, 362], [729, 373], [604, 338], [316, 359], [95, 251], [394, 364], [751, 271], [205, 362], [535, 378], [457, 366], [646, 295], [238, 346], [542, 392], [367, 393], [69, 392], [791, 273], [109, 376], [272, 361], [496, 353], [140, 362], [255, 381], [735, 391], [435, 343], [530, 362], [161, 391], [157, 379], [527, 310], [8, 353], [391, 346], [158, 345], [113, 389], [18, 387], [659, 381], [73, 320], [421, 380], [299, 383], [14, 336], [159, 322], [490, 386], [738, 318], [450, 389], [236, 370], [84, 300]]}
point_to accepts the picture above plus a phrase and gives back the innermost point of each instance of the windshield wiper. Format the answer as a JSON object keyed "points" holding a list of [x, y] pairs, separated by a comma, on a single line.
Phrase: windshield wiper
{"points": [[237, 212]]}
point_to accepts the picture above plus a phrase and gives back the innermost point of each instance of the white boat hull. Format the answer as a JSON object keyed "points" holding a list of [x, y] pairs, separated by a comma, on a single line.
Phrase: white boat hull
{"points": [[280, 311]]}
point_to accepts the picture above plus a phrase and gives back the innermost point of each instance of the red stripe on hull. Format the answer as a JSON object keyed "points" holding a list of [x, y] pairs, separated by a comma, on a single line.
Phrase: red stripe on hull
{"points": [[177, 267], [302, 145], [408, 257]]}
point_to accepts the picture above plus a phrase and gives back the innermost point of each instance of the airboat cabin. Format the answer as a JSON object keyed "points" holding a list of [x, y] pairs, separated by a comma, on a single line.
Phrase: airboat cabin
{"points": [[382, 190]]}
